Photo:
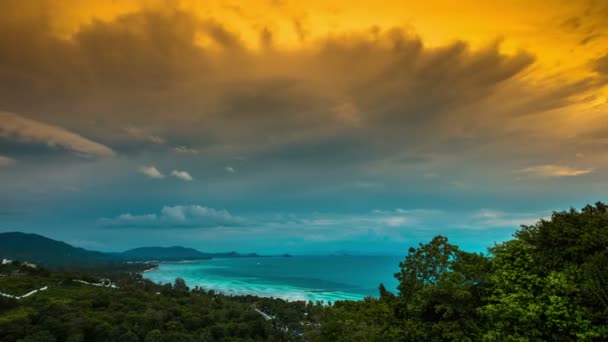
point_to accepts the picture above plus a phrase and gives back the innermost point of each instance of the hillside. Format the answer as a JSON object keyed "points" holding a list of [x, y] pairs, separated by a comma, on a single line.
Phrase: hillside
{"points": [[69, 307], [44, 251], [52, 253]]}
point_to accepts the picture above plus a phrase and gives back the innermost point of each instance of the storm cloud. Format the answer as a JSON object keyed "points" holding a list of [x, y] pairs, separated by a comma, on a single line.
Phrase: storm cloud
{"points": [[149, 69]]}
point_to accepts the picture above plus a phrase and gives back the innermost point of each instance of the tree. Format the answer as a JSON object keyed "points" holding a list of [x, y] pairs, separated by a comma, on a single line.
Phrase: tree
{"points": [[40, 336], [129, 336], [154, 336], [568, 238], [596, 280], [525, 305], [439, 291], [180, 285], [425, 265]]}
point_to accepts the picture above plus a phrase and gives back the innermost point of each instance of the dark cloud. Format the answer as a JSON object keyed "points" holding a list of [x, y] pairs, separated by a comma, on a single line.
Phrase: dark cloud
{"points": [[147, 49], [266, 38], [589, 23], [187, 80], [589, 38], [601, 65], [300, 28], [572, 23]]}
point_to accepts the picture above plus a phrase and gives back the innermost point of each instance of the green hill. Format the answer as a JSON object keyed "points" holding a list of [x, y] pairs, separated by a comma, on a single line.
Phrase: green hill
{"points": [[41, 250]]}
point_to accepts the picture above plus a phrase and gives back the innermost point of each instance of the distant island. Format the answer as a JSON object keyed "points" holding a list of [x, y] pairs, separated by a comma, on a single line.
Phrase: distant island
{"points": [[177, 253], [52, 253]]}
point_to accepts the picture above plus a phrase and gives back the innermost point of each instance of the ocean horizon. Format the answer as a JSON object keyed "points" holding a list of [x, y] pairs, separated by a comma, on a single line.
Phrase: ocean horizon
{"points": [[295, 278]]}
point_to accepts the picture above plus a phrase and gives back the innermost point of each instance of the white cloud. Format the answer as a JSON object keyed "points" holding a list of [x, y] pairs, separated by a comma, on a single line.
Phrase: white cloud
{"points": [[140, 134], [394, 221], [550, 170], [336, 226], [488, 214], [396, 224], [20, 129], [391, 224], [185, 150], [176, 213], [230, 169], [136, 219], [6, 161], [151, 172], [487, 218], [183, 175], [196, 216]]}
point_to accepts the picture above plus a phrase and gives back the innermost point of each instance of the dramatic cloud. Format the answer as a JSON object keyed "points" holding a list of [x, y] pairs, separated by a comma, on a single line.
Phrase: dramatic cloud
{"points": [[151, 171], [183, 175], [188, 216], [403, 90], [555, 171], [20, 129]]}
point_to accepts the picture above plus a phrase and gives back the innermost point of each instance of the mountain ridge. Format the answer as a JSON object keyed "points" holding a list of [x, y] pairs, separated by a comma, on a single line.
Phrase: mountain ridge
{"points": [[42, 250]]}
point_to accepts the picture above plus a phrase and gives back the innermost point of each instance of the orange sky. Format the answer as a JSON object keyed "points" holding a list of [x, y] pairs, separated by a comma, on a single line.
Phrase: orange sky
{"points": [[538, 26], [565, 37]]}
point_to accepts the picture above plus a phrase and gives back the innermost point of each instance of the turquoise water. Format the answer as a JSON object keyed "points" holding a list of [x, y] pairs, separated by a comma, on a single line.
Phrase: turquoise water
{"points": [[327, 278]]}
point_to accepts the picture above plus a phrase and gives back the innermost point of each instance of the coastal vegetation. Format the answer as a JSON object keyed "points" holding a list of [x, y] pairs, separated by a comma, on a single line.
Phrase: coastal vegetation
{"points": [[548, 283]]}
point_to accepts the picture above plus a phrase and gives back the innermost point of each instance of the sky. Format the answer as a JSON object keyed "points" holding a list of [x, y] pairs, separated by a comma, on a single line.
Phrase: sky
{"points": [[311, 127]]}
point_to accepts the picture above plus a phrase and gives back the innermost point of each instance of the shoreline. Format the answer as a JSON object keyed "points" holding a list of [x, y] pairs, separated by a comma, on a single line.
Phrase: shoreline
{"points": [[150, 269], [243, 284], [289, 294]]}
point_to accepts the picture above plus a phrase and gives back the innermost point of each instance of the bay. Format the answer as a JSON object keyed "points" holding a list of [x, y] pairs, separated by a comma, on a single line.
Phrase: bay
{"points": [[315, 278]]}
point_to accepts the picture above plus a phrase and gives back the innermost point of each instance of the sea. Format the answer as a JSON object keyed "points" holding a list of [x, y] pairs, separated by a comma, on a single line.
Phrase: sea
{"points": [[308, 278]]}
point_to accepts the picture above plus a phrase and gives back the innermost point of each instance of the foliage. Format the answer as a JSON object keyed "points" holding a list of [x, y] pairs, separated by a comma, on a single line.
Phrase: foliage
{"points": [[550, 283]]}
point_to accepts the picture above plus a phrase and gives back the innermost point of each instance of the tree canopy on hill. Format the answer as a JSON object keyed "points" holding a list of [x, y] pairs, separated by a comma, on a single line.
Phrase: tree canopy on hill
{"points": [[549, 283]]}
